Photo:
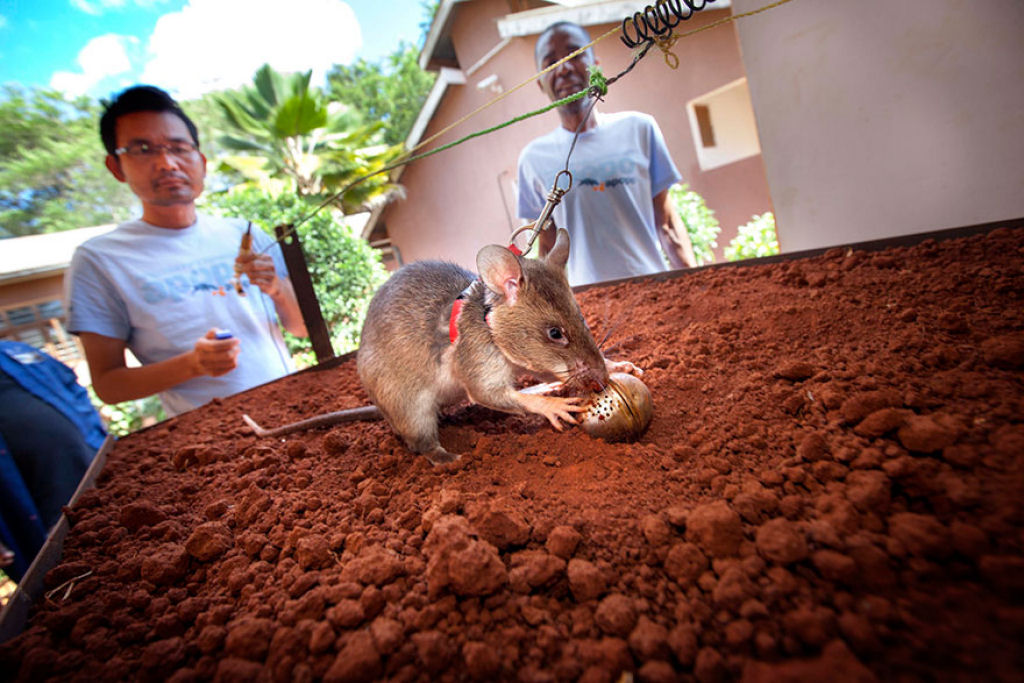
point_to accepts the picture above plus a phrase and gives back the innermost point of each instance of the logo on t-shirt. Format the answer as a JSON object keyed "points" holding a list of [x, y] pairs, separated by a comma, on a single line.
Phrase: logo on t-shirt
{"points": [[600, 186], [191, 280], [610, 172], [217, 290]]}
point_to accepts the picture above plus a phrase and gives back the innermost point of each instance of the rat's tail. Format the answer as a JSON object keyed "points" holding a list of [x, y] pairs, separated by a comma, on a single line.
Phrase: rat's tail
{"points": [[326, 420]]}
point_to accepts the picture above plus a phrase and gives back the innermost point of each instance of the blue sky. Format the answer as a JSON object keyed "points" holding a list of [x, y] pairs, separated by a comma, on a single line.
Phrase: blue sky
{"points": [[97, 47]]}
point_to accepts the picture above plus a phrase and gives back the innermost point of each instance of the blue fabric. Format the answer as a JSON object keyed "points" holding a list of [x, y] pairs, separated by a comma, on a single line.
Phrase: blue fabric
{"points": [[54, 454], [21, 528], [52, 381]]}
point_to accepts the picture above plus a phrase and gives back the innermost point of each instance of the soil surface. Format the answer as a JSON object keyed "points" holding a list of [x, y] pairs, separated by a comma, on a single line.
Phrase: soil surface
{"points": [[831, 489]]}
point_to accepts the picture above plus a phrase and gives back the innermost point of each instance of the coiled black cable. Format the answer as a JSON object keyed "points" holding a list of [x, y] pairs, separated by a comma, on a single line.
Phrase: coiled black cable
{"points": [[657, 21]]}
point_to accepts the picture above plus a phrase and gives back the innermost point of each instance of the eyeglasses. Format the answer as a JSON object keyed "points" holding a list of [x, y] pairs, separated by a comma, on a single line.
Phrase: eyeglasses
{"points": [[144, 150]]}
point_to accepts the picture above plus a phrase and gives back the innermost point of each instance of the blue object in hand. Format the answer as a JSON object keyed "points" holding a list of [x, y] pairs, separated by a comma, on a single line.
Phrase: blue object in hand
{"points": [[223, 334]]}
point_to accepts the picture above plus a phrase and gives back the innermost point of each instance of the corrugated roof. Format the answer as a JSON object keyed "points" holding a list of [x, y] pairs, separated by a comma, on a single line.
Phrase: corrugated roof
{"points": [[35, 255]]}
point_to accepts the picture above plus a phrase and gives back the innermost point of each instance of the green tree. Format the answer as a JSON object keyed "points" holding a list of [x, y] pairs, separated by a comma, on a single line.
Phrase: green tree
{"points": [[208, 116], [429, 9], [284, 130], [52, 172], [700, 221], [391, 92], [754, 239], [124, 418], [344, 268]]}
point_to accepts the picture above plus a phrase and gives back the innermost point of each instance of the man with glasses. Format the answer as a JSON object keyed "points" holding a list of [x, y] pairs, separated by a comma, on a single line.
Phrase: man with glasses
{"points": [[162, 285]]}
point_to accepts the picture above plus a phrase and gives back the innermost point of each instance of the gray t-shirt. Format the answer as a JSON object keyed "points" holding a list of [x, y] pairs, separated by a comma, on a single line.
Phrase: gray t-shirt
{"points": [[617, 168], [161, 289]]}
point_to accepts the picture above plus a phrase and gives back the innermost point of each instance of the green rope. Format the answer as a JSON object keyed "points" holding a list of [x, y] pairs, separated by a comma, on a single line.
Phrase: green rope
{"points": [[598, 87], [522, 117], [598, 83]]}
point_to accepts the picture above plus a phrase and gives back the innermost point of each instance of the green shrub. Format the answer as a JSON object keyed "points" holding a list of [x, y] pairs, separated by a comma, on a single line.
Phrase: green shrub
{"points": [[124, 418], [700, 222], [344, 268], [754, 239]]}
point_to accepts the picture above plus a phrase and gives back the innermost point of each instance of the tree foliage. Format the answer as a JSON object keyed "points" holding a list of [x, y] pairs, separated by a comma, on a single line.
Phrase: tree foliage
{"points": [[124, 418], [429, 9], [206, 113], [344, 269], [700, 222], [754, 239], [52, 172], [283, 129], [391, 92]]}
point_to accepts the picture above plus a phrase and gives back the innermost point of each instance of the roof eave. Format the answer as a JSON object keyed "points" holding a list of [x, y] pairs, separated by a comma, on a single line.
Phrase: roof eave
{"points": [[446, 77], [533, 21], [431, 58]]}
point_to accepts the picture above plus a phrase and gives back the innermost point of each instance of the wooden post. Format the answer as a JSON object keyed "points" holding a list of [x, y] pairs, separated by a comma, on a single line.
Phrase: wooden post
{"points": [[295, 259]]}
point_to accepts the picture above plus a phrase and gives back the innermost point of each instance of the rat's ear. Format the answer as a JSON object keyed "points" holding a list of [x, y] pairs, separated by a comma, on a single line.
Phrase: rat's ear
{"points": [[559, 254], [500, 270]]}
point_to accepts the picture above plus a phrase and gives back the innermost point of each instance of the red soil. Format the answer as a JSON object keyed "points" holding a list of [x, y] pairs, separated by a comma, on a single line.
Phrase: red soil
{"points": [[831, 489]]}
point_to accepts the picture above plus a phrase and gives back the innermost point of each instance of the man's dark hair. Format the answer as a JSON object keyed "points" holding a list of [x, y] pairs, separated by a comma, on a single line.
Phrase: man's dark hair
{"points": [[567, 27], [139, 98]]}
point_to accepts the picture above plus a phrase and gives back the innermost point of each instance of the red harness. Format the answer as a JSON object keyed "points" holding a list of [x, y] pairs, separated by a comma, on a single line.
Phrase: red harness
{"points": [[453, 327]]}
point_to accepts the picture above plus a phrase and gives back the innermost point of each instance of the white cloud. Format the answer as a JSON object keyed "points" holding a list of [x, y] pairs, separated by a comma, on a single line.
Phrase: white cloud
{"points": [[214, 44], [96, 7], [102, 57]]}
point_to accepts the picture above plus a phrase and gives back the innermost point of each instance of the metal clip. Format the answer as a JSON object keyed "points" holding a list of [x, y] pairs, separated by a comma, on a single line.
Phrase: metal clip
{"points": [[554, 197]]}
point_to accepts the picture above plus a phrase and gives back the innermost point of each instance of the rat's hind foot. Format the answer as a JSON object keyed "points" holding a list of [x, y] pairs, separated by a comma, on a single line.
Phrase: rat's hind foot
{"points": [[439, 456]]}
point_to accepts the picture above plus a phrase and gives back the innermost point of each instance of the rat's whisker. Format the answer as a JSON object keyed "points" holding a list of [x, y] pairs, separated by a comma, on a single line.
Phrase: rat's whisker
{"points": [[612, 326]]}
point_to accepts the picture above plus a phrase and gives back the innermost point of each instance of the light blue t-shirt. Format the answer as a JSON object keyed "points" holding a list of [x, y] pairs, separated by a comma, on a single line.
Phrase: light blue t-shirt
{"points": [[161, 289], [617, 168]]}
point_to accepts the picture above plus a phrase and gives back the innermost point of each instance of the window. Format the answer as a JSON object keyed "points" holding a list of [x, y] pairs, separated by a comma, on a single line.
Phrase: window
{"points": [[722, 125], [707, 132], [41, 325]]}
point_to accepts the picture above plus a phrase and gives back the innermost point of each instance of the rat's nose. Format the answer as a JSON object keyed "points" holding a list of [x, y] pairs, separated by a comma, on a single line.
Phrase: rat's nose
{"points": [[590, 378]]}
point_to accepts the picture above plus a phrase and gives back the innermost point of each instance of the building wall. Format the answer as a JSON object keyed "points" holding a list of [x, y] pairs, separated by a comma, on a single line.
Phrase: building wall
{"points": [[30, 291], [32, 311], [879, 118], [463, 198]]}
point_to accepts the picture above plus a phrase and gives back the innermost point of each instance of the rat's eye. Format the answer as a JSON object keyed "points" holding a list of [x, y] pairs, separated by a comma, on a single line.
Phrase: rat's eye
{"points": [[557, 334]]}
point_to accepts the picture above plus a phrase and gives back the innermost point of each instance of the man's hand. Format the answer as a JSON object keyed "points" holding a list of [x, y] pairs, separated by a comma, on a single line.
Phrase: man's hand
{"points": [[215, 357], [114, 382], [261, 272], [675, 240]]}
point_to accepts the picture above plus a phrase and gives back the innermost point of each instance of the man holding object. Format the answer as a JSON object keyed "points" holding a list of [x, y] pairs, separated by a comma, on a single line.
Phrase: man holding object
{"points": [[161, 285]]}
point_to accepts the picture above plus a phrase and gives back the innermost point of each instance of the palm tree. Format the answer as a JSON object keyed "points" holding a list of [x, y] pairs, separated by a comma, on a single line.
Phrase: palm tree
{"points": [[285, 131]]}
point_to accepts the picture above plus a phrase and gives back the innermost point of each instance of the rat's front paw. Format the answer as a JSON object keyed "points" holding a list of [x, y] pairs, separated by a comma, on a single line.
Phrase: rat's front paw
{"points": [[555, 408], [622, 366]]}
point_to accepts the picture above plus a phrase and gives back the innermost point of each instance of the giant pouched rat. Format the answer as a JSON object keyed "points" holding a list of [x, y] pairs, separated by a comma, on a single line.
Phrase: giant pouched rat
{"points": [[519, 315]]}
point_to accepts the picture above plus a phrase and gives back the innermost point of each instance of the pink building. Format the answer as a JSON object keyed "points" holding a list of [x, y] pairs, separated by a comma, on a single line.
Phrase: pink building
{"points": [[465, 197]]}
